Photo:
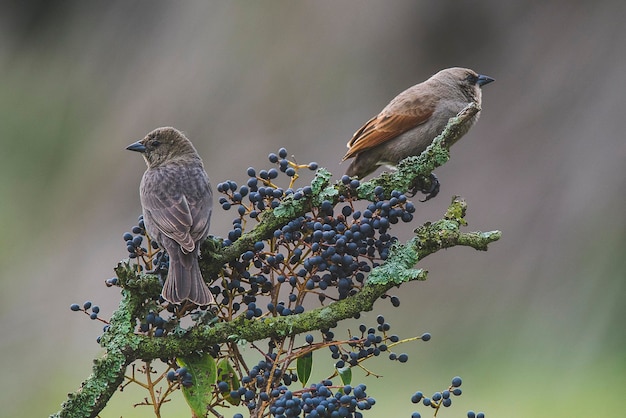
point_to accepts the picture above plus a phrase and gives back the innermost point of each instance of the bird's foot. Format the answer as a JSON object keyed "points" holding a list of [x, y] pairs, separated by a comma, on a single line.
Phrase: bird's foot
{"points": [[160, 265], [429, 187]]}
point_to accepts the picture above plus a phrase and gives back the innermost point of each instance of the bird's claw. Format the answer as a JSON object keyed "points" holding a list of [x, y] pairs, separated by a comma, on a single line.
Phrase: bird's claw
{"points": [[431, 191], [159, 266]]}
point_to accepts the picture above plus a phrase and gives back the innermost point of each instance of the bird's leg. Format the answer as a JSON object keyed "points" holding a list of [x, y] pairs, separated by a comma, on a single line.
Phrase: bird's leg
{"points": [[434, 188], [430, 187], [159, 266]]}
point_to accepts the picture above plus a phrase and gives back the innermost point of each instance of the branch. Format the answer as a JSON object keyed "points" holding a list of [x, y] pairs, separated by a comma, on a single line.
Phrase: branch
{"points": [[430, 238], [122, 346], [409, 171], [398, 268], [108, 370], [415, 168]]}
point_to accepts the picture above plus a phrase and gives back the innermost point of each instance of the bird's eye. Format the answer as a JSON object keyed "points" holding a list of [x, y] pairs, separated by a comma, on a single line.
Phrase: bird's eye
{"points": [[472, 78], [154, 143]]}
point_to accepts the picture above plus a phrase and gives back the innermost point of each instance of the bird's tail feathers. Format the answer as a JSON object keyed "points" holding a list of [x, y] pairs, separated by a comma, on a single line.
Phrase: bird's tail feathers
{"points": [[184, 281]]}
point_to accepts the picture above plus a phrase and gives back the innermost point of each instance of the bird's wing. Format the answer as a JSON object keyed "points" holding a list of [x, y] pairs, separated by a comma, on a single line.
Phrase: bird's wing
{"points": [[171, 215], [400, 116], [201, 212]]}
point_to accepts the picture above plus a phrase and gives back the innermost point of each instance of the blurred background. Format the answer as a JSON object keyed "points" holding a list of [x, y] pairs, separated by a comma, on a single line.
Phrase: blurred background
{"points": [[535, 326]]}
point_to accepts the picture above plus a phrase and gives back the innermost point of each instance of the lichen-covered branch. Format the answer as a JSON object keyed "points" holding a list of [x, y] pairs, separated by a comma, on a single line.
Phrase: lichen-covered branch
{"points": [[430, 238], [214, 257], [419, 167], [108, 370], [123, 346], [409, 171]]}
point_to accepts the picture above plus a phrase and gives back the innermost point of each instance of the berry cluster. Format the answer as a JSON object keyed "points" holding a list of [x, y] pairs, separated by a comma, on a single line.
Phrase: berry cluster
{"points": [[443, 398], [255, 383], [324, 254], [266, 384], [181, 375], [135, 245], [368, 344], [95, 310], [262, 192], [327, 252], [153, 324], [318, 400]]}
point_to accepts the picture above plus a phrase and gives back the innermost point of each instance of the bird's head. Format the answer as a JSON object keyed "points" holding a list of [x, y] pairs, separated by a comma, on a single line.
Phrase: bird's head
{"points": [[467, 82], [163, 145]]}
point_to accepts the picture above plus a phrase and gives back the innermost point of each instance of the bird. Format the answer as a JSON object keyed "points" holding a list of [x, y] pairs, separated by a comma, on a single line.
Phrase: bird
{"points": [[177, 201], [410, 122]]}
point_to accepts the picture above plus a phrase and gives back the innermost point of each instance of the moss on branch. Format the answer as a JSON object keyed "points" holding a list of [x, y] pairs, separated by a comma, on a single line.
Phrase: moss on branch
{"points": [[418, 168], [409, 172], [122, 346], [430, 238]]}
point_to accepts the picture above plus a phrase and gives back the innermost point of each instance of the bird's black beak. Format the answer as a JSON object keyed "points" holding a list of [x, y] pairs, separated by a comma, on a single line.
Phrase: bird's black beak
{"points": [[137, 146], [484, 79]]}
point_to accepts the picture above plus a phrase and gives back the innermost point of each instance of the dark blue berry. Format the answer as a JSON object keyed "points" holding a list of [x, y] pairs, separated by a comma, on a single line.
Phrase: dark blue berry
{"points": [[111, 282], [417, 397]]}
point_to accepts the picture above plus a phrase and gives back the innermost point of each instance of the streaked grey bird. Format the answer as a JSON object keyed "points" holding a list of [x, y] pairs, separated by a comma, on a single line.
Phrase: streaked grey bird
{"points": [[177, 201]]}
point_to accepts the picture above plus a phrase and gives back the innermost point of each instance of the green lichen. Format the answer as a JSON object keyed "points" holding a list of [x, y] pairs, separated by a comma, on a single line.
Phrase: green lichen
{"points": [[398, 268], [122, 346]]}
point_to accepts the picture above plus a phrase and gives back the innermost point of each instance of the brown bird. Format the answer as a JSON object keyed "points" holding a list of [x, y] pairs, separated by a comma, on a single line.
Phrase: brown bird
{"points": [[177, 201], [409, 123]]}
